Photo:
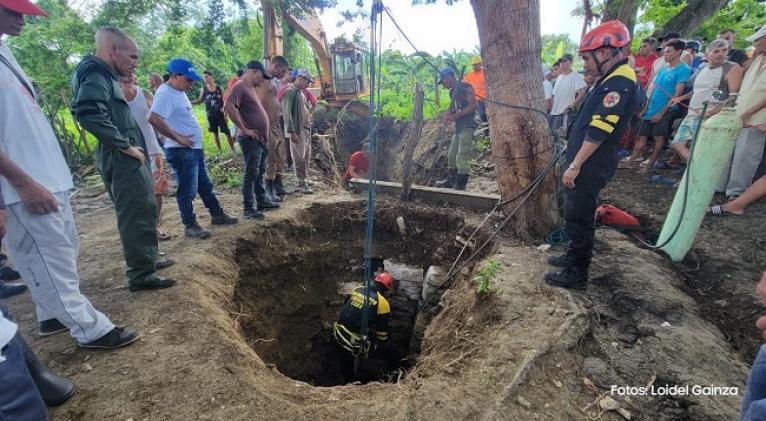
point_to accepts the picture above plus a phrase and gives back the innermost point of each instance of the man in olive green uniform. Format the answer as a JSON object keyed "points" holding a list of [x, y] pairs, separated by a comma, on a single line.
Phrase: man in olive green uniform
{"points": [[100, 107], [461, 112]]}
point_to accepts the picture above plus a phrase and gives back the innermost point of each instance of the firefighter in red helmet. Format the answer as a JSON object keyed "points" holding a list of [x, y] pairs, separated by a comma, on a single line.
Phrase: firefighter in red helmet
{"points": [[349, 325], [593, 144]]}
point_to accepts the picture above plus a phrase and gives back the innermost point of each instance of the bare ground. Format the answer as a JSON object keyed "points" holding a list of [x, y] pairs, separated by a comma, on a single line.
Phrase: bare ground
{"points": [[212, 347]]}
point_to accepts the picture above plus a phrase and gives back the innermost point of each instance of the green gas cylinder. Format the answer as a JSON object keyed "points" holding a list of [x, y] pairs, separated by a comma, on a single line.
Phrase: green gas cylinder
{"points": [[711, 152]]}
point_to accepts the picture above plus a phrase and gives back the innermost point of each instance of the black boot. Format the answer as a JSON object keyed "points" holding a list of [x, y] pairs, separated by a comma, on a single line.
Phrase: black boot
{"points": [[279, 189], [560, 261], [267, 191], [448, 182], [461, 181], [54, 389], [573, 277], [273, 191]]}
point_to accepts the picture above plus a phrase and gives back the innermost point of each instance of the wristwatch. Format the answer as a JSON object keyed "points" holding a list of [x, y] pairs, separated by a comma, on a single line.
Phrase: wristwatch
{"points": [[573, 167]]}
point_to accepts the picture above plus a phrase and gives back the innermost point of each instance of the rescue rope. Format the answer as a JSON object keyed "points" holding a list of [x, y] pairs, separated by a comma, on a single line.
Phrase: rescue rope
{"points": [[375, 32]]}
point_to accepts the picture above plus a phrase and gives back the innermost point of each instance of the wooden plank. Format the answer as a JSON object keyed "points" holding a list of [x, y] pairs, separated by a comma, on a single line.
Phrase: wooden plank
{"points": [[466, 199]]}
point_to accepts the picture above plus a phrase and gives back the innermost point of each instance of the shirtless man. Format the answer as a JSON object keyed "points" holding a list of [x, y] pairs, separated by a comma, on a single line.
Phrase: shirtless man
{"points": [[275, 159]]}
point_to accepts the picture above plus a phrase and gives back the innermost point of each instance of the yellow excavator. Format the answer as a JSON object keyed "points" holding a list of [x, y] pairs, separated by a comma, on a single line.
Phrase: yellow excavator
{"points": [[340, 64]]}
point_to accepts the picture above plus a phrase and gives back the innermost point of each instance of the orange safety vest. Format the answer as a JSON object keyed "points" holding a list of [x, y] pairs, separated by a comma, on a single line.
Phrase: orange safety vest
{"points": [[476, 79]]}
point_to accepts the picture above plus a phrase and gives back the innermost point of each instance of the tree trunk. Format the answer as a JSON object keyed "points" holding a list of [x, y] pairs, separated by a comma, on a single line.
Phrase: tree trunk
{"points": [[521, 143], [691, 17], [625, 11], [412, 142]]}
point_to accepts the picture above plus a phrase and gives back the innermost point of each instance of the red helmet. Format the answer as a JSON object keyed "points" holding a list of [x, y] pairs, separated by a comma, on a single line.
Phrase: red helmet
{"points": [[385, 279], [609, 34]]}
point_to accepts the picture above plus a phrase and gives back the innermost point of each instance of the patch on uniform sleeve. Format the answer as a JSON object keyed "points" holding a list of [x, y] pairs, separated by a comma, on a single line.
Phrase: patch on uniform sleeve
{"points": [[611, 99]]}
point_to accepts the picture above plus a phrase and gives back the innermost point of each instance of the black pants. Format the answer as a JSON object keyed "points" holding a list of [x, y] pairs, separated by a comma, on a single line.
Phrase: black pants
{"points": [[579, 209], [254, 153]]}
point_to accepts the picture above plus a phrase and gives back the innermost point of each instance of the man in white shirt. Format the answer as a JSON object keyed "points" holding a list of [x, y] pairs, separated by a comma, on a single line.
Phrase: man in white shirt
{"points": [[568, 90], [172, 116], [35, 183], [704, 84]]}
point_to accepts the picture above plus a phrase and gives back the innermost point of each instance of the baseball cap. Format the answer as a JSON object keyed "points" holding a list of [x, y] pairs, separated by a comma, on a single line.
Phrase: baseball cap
{"points": [[25, 7], [257, 65], [304, 73], [758, 35], [183, 67], [447, 71]]}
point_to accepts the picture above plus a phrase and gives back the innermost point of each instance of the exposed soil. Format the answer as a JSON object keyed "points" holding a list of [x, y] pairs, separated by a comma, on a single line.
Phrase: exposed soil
{"points": [[243, 336]]}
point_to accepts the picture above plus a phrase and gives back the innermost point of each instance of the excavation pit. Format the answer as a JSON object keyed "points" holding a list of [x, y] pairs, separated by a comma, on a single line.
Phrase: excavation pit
{"points": [[294, 276]]}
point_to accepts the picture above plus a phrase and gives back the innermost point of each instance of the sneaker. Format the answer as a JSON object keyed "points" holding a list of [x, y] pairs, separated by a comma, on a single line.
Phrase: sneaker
{"points": [[164, 263], [151, 284], [253, 214], [223, 219], [9, 289], [303, 189], [267, 206], [116, 338], [195, 231], [8, 274], [51, 327]]}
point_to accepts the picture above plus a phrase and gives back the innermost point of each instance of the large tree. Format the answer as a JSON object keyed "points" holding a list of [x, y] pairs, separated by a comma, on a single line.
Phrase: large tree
{"points": [[521, 144]]}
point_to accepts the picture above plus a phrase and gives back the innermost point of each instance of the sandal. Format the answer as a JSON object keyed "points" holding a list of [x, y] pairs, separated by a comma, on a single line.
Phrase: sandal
{"points": [[163, 236], [717, 210]]}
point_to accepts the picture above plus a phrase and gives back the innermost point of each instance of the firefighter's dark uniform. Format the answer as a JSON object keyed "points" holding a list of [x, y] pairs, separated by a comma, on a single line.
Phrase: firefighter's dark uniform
{"points": [[603, 118], [349, 325], [100, 108]]}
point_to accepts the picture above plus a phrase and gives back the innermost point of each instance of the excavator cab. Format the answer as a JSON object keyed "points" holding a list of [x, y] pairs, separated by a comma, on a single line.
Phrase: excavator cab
{"points": [[347, 70]]}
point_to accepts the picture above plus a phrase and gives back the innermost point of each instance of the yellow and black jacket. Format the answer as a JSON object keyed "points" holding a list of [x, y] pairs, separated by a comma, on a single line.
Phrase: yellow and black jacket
{"points": [[349, 325], [604, 117]]}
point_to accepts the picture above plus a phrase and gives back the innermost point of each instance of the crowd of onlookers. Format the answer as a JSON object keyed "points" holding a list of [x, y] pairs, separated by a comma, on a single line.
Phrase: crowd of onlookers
{"points": [[680, 77]]}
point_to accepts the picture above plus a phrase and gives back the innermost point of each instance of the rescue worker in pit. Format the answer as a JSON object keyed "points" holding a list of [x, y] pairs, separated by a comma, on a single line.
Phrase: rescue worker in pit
{"points": [[347, 330], [593, 144]]}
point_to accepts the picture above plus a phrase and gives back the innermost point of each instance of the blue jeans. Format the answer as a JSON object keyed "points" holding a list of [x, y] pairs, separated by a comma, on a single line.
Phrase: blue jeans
{"points": [[192, 178], [754, 403], [19, 398], [254, 154]]}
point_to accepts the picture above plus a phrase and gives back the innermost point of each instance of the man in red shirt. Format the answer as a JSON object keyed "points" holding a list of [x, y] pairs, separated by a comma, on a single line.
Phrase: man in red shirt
{"points": [[644, 61], [358, 164]]}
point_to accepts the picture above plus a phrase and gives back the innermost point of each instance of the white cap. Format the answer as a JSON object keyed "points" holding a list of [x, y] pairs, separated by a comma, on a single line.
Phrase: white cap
{"points": [[760, 34]]}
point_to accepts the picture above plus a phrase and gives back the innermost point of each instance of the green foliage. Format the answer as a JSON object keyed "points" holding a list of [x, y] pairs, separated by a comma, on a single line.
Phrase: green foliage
{"points": [[555, 46], [659, 12], [744, 16], [486, 275]]}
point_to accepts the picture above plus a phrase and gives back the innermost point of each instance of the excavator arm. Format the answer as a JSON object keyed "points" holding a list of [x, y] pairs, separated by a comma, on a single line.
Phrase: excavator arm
{"points": [[310, 28]]}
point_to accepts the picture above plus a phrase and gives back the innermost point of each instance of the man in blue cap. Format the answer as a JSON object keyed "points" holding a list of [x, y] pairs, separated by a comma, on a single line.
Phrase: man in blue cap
{"points": [[172, 116], [461, 112], [101, 108]]}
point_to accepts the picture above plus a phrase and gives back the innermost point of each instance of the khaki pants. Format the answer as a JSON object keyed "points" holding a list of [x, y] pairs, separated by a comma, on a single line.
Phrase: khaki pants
{"points": [[301, 154], [275, 159]]}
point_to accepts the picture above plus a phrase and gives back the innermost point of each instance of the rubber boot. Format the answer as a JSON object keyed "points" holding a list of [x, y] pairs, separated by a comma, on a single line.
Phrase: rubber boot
{"points": [[448, 182], [271, 186], [267, 191], [54, 389], [279, 189], [461, 181]]}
